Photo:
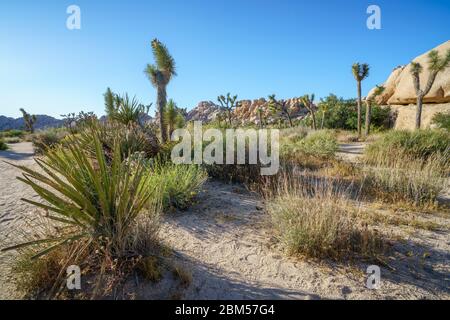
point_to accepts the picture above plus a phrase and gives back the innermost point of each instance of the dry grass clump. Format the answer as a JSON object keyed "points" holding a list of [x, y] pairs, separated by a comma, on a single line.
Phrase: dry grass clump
{"points": [[317, 221], [407, 179], [47, 139], [418, 144]]}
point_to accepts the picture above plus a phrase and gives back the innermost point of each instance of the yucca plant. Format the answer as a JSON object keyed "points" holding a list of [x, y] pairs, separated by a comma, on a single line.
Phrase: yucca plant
{"points": [[124, 109], [93, 199]]}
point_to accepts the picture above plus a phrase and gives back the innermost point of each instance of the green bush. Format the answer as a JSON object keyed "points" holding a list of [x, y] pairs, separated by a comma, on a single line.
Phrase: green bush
{"points": [[342, 114], [3, 145], [12, 134], [178, 184], [321, 144], [418, 144], [47, 139], [442, 120]]}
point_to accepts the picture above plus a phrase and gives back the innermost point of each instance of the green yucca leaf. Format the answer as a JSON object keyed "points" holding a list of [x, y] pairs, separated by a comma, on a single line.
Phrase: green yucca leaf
{"points": [[87, 193]]}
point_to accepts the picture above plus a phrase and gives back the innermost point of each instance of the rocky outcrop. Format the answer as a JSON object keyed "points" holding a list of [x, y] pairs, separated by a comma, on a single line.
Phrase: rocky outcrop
{"points": [[400, 88], [405, 115], [400, 94], [205, 111], [246, 111]]}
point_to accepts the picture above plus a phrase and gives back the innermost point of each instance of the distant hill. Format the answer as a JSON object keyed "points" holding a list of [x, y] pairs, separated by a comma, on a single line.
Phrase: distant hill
{"points": [[43, 121]]}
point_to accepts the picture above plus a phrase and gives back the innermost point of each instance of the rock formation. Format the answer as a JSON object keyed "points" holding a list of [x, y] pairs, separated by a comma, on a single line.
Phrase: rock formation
{"points": [[400, 94], [246, 111]]}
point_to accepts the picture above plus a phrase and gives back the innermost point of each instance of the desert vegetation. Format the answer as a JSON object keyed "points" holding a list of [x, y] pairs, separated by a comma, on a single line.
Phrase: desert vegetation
{"points": [[106, 187]]}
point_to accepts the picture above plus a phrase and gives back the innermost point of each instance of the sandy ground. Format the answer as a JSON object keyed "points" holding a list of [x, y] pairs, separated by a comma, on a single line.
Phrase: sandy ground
{"points": [[12, 211], [226, 243]]}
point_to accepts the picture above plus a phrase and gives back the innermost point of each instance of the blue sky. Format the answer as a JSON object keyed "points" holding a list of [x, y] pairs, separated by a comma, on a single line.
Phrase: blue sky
{"points": [[248, 47]]}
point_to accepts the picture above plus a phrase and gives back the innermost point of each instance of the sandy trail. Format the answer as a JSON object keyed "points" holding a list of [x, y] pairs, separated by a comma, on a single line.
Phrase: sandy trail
{"points": [[12, 211]]}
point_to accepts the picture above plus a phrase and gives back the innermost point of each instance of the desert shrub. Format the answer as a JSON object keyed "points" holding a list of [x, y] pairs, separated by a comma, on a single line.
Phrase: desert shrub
{"points": [[317, 221], [178, 184], [339, 113], [47, 139], [419, 144], [408, 179], [442, 120], [12, 134], [12, 140], [3, 145], [310, 152], [131, 138]]}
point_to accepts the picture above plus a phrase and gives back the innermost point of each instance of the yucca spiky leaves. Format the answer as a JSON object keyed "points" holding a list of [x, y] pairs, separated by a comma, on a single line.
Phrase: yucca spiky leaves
{"points": [[94, 199]]}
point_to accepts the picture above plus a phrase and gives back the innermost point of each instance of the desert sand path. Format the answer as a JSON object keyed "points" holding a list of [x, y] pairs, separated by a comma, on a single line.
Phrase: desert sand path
{"points": [[12, 210]]}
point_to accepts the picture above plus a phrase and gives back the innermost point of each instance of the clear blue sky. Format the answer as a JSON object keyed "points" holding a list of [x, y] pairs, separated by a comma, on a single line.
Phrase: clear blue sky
{"points": [[248, 47]]}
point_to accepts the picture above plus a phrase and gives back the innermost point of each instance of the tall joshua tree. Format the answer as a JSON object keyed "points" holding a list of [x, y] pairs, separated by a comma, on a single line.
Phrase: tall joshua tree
{"points": [[29, 120], [281, 107], [308, 102], [360, 72], [160, 75], [379, 90], [228, 103], [436, 64]]}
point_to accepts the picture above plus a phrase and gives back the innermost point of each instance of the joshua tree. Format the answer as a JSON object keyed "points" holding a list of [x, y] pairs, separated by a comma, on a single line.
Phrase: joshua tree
{"points": [[436, 64], [228, 103], [379, 90], [360, 72], [29, 120], [281, 107], [324, 106], [160, 75], [170, 115], [308, 102]]}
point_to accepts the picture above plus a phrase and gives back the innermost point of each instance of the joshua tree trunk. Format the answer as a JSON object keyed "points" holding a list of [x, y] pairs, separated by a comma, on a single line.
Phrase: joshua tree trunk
{"points": [[161, 102], [290, 120], [260, 119], [419, 111], [359, 108], [323, 119], [368, 118], [229, 117]]}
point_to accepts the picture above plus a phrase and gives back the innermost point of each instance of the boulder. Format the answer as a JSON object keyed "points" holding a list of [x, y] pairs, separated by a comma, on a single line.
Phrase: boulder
{"points": [[400, 88]]}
